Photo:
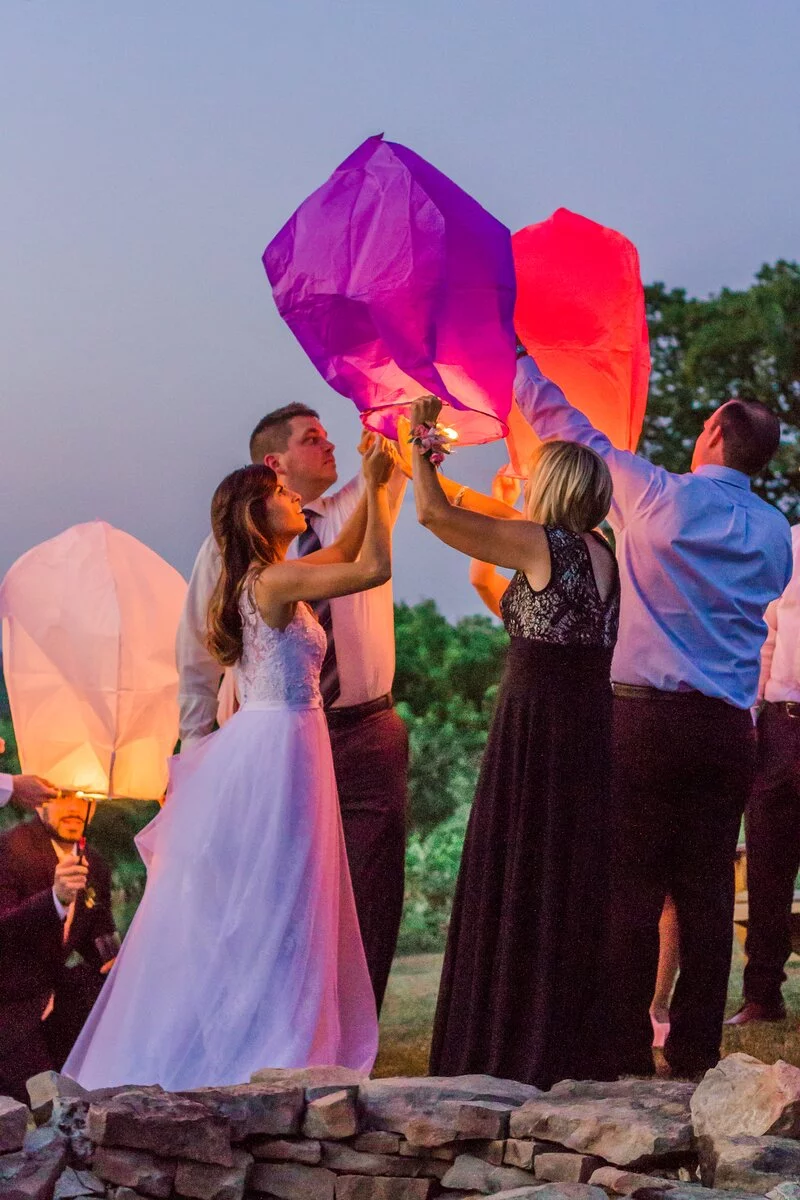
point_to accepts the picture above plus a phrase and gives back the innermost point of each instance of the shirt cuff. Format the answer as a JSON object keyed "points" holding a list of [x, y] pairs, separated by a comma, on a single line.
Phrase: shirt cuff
{"points": [[60, 909], [6, 788]]}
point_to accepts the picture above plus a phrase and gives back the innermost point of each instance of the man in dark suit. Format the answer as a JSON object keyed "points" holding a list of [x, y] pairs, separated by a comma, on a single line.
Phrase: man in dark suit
{"points": [[55, 905]]}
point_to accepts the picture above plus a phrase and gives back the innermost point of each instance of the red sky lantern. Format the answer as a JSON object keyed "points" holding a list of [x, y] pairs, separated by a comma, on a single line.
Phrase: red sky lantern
{"points": [[580, 311]]}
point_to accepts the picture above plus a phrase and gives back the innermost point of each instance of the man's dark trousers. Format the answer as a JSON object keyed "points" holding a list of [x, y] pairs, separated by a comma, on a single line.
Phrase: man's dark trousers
{"points": [[682, 771], [772, 826], [370, 760]]}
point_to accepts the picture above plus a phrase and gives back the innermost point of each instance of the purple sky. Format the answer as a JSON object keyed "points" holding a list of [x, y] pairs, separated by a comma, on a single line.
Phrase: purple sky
{"points": [[150, 150]]}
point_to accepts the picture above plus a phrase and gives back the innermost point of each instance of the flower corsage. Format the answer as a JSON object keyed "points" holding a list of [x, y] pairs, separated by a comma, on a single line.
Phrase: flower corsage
{"points": [[435, 442]]}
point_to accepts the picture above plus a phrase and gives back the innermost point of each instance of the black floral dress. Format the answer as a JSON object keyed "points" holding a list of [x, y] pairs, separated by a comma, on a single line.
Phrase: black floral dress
{"points": [[521, 968]]}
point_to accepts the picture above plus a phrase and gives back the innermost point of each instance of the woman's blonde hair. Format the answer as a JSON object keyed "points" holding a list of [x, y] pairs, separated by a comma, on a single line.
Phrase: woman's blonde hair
{"points": [[568, 485]]}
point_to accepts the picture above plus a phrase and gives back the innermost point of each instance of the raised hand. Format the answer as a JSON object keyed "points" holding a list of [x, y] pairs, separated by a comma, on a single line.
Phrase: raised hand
{"points": [[506, 488], [31, 790], [70, 879], [378, 462], [367, 438], [403, 447], [425, 411]]}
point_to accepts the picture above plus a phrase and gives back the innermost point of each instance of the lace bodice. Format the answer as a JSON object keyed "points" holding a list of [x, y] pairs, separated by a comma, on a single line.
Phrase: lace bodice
{"points": [[569, 610], [280, 666]]}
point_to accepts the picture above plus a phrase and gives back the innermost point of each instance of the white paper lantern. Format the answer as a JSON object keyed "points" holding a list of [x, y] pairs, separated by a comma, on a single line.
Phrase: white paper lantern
{"points": [[89, 623]]}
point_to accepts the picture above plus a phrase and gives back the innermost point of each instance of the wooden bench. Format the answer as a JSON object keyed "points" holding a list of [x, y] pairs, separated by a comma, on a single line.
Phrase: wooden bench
{"points": [[740, 907]]}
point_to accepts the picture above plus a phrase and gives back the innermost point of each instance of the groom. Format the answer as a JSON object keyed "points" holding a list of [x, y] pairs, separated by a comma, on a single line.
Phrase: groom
{"points": [[368, 738]]}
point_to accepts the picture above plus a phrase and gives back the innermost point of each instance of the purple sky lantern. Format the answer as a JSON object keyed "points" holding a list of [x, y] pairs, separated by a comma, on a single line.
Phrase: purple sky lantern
{"points": [[396, 283]]}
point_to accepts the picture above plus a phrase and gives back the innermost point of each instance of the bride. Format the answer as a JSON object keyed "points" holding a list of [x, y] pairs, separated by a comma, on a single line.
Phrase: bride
{"points": [[245, 951]]}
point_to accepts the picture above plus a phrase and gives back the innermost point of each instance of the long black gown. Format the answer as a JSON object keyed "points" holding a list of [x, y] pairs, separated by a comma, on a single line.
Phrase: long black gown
{"points": [[521, 968]]}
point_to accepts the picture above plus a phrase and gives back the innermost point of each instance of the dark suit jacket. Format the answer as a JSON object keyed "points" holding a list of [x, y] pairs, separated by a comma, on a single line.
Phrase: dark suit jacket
{"points": [[33, 954]]}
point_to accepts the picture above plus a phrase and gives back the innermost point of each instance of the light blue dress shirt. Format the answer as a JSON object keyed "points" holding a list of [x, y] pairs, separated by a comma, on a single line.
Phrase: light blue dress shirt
{"points": [[700, 558]]}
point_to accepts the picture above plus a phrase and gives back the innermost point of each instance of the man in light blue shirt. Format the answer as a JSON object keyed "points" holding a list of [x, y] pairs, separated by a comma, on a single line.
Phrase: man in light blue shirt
{"points": [[700, 556]]}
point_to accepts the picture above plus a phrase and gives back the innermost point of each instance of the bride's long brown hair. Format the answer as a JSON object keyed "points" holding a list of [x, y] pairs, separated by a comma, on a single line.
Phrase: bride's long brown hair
{"points": [[240, 526]]}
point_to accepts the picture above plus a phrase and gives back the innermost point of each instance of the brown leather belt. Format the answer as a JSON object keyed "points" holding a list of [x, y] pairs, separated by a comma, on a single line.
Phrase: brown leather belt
{"points": [[351, 714], [790, 708], [633, 691]]}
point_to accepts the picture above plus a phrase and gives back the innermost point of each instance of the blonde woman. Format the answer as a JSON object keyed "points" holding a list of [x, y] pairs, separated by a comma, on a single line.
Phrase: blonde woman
{"points": [[521, 968]]}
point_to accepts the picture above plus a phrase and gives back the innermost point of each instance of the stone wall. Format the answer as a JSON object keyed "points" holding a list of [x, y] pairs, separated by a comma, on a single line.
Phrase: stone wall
{"points": [[326, 1134]]}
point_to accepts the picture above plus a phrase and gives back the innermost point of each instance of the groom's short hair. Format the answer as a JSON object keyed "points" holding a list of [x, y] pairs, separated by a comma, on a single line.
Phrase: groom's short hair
{"points": [[271, 434], [751, 434]]}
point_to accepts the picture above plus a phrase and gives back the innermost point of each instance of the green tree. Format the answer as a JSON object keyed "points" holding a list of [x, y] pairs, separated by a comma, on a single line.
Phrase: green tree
{"points": [[432, 862], [445, 682], [446, 748], [9, 762]]}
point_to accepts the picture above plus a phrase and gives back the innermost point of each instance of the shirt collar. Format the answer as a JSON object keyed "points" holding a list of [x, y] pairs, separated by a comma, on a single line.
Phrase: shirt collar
{"points": [[724, 475], [317, 507]]}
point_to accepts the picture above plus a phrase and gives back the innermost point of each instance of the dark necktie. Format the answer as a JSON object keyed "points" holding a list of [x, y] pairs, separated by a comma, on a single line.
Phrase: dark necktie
{"points": [[307, 543]]}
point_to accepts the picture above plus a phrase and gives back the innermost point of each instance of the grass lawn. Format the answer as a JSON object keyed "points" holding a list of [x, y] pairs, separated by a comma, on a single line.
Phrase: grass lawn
{"points": [[411, 998]]}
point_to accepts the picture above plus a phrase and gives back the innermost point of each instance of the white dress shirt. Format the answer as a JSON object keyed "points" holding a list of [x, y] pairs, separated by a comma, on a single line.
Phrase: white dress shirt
{"points": [[700, 558], [363, 630], [780, 654], [63, 910]]}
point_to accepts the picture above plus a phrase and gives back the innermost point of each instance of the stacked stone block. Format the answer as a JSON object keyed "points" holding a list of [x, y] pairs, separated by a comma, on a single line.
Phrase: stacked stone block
{"points": [[327, 1134]]}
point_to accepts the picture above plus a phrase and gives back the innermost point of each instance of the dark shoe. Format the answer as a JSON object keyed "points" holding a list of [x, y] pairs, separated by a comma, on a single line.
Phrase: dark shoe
{"points": [[752, 1011]]}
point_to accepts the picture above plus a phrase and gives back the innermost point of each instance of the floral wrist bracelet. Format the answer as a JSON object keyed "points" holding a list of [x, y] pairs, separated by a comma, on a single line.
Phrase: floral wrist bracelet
{"points": [[434, 441]]}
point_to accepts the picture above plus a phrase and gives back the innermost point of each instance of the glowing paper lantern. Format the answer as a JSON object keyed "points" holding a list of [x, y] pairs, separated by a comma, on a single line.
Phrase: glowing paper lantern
{"points": [[89, 623], [397, 283], [581, 313]]}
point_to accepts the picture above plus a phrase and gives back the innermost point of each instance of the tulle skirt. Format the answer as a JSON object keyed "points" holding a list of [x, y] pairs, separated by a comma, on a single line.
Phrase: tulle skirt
{"points": [[245, 951]]}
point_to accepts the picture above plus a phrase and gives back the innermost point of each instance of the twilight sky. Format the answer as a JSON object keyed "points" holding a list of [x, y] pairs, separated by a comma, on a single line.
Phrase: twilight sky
{"points": [[151, 149]]}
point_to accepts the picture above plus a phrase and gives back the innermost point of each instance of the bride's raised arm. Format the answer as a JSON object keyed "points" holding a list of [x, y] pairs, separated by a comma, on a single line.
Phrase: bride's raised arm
{"points": [[347, 546], [314, 578]]}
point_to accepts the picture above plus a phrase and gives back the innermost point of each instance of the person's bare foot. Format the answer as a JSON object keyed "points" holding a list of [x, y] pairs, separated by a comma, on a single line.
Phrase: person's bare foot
{"points": [[659, 1019]]}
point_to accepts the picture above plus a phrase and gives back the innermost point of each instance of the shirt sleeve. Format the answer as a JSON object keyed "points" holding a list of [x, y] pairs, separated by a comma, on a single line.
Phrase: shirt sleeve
{"points": [[768, 649], [342, 504], [6, 788], [60, 908], [551, 416], [23, 920], [199, 671]]}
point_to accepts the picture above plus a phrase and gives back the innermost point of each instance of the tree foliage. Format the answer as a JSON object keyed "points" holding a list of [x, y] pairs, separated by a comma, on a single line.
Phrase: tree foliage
{"points": [[445, 682]]}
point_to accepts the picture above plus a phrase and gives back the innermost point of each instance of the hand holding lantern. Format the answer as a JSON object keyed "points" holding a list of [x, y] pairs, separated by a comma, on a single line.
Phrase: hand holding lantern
{"points": [[378, 462], [70, 879], [433, 440]]}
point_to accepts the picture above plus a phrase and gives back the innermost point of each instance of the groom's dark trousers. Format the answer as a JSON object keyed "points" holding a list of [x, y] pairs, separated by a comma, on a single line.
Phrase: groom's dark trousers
{"points": [[682, 769], [370, 760]]}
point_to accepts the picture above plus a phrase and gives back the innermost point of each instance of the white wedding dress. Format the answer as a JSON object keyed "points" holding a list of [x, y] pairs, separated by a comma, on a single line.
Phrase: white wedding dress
{"points": [[245, 951]]}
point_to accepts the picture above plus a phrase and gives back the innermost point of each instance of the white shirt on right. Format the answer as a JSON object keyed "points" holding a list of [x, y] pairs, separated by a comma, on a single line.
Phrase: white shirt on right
{"points": [[780, 654]]}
